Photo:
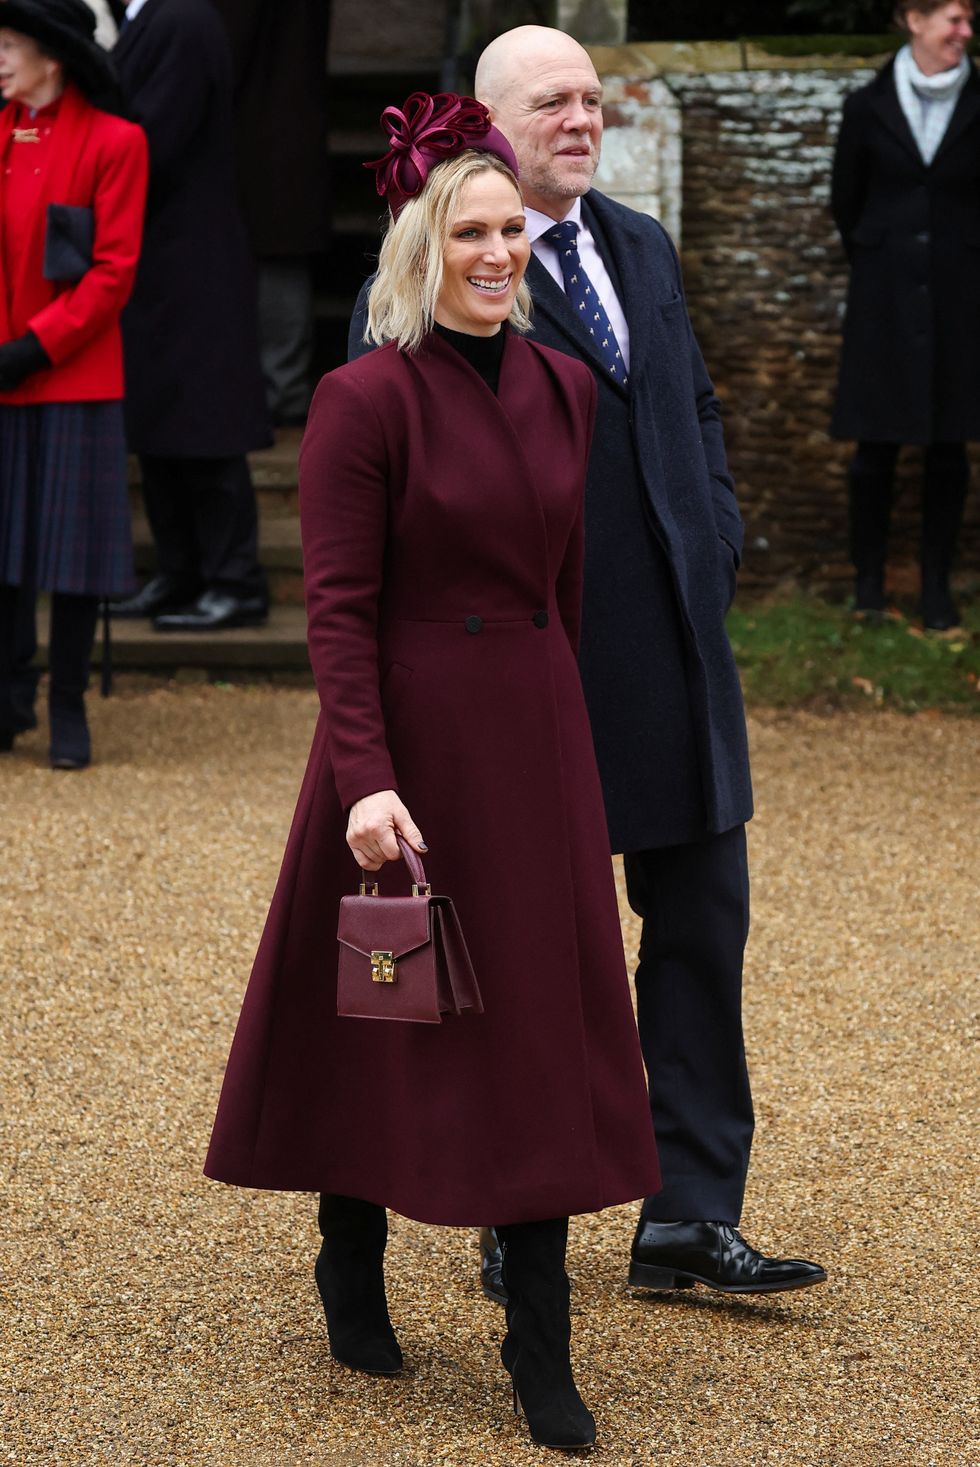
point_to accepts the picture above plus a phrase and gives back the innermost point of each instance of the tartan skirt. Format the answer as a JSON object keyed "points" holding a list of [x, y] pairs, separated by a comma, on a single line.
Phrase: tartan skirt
{"points": [[64, 499]]}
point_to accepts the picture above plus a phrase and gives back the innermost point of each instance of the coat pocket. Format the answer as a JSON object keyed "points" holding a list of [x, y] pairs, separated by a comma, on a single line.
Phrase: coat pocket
{"points": [[394, 684]]}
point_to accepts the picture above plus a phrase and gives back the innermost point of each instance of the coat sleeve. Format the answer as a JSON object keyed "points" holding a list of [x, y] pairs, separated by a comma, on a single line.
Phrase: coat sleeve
{"points": [[343, 496], [568, 584], [82, 312], [728, 520], [171, 100], [849, 178]]}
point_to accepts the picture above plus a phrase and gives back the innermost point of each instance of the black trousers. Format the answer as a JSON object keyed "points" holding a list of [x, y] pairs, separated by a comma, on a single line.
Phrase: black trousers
{"points": [[945, 476], [204, 520], [694, 902]]}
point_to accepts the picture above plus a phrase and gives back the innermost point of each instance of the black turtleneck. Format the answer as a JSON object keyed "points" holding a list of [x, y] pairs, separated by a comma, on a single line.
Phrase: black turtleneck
{"points": [[484, 353]]}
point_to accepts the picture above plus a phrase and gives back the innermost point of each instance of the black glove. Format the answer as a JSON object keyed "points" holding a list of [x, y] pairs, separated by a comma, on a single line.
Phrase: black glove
{"points": [[19, 358]]}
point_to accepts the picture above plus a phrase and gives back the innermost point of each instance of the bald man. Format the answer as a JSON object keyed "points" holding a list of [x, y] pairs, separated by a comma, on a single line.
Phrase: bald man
{"points": [[663, 538]]}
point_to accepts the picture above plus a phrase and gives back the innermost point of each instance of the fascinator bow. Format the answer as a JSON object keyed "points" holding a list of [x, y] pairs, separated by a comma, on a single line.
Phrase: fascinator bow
{"points": [[425, 132]]}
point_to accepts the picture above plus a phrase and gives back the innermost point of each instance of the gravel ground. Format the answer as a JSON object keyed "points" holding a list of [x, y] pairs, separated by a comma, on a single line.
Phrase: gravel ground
{"points": [[151, 1316]]}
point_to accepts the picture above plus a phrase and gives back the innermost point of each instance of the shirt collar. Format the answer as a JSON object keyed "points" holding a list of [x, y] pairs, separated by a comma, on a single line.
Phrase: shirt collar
{"points": [[538, 223], [133, 8]]}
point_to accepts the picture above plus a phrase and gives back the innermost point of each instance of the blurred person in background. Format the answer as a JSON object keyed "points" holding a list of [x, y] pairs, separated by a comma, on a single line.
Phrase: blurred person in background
{"points": [[72, 190], [280, 59], [194, 403], [906, 200]]}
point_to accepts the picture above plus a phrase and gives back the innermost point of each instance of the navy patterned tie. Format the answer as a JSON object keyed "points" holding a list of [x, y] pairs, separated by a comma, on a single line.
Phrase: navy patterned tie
{"points": [[583, 297]]}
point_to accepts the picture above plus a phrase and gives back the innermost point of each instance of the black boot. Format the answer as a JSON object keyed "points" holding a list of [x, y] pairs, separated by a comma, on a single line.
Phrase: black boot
{"points": [[18, 677], [870, 479], [536, 1350], [73, 620], [350, 1276], [944, 496]]}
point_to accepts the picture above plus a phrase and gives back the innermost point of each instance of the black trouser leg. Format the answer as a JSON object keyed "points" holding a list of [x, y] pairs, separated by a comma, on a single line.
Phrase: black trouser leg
{"points": [[350, 1277], [168, 496], [946, 477], [73, 622], [537, 1352], [18, 675], [871, 479], [694, 902], [227, 526]]}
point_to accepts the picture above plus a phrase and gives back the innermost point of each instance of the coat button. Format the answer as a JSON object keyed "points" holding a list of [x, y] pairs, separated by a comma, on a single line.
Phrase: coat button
{"points": [[540, 619], [474, 624]]}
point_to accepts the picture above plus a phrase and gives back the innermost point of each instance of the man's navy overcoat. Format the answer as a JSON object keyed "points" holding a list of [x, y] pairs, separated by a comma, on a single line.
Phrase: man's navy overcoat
{"points": [[663, 541]]}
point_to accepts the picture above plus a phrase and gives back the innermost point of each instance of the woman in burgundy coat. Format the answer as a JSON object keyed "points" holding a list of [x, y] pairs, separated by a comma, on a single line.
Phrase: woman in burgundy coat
{"points": [[441, 485], [72, 189]]}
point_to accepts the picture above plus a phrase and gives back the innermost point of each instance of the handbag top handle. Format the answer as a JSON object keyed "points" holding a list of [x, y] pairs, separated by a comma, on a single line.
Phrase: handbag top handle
{"points": [[420, 884], [413, 861]]}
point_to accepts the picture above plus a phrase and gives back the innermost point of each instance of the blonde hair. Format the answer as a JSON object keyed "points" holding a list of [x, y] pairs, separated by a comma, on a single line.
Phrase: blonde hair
{"points": [[403, 296]]}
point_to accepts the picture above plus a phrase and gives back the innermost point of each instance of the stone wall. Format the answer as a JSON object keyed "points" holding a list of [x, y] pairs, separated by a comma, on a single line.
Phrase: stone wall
{"points": [[766, 281]]}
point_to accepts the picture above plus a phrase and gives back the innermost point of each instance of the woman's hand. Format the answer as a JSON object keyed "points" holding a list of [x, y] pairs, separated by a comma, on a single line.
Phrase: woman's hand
{"points": [[372, 826]]}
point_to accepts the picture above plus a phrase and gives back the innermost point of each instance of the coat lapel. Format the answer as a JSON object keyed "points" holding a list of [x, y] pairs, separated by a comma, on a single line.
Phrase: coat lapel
{"points": [[889, 109], [621, 246], [130, 35], [966, 111], [551, 301]]}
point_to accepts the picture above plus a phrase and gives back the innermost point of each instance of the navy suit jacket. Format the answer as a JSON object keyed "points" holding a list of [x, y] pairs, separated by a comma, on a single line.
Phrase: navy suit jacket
{"points": [[663, 541]]}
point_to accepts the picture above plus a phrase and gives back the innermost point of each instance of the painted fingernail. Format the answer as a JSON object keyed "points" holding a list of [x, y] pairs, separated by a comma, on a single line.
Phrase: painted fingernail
{"points": [[423, 846]]}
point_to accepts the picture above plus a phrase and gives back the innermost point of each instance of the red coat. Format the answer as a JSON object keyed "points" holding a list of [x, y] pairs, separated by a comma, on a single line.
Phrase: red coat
{"points": [[97, 161], [442, 533]]}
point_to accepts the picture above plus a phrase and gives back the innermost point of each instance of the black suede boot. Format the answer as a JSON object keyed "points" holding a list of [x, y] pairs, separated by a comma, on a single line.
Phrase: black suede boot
{"points": [[73, 620], [536, 1350], [870, 479], [350, 1276], [946, 478], [18, 678]]}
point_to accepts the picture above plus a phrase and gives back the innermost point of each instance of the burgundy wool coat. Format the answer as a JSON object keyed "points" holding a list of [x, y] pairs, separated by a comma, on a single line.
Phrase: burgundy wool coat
{"points": [[442, 534]]}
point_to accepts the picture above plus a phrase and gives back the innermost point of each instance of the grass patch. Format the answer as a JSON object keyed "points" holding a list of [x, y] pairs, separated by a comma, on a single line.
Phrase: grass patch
{"points": [[809, 653]]}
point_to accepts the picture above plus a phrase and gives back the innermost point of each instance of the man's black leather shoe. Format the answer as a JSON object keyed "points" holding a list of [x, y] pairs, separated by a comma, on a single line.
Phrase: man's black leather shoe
{"points": [[678, 1255], [492, 1267], [213, 611], [161, 593]]}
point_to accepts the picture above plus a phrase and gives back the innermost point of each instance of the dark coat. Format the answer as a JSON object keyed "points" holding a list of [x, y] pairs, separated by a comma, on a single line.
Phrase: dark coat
{"points": [[280, 61], [663, 537], [193, 381], [442, 540], [910, 363]]}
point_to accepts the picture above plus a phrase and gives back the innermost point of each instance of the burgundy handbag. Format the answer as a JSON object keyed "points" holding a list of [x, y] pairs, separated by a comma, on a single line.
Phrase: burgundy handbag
{"points": [[403, 957]]}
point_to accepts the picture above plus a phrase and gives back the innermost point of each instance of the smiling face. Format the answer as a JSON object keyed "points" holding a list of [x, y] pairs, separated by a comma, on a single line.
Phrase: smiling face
{"points": [[485, 256], [546, 99], [27, 74], [940, 39]]}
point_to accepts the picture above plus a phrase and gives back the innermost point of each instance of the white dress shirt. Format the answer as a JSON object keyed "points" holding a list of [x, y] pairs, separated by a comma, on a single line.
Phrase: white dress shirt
{"points": [[592, 264], [133, 8]]}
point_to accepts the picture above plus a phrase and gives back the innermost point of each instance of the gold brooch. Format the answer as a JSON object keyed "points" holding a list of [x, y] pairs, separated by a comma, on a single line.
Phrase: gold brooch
{"points": [[26, 135]]}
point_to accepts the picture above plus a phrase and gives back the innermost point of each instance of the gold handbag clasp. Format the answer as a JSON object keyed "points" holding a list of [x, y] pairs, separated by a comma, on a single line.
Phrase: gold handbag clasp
{"points": [[383, 967]]}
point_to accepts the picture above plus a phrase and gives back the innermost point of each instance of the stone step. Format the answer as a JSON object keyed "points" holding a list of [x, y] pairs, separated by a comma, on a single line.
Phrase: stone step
{"points": [[277, 647]]}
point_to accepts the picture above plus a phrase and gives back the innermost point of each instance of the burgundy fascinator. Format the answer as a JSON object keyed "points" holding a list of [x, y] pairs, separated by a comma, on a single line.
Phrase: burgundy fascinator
{"points": [[427, 131]]}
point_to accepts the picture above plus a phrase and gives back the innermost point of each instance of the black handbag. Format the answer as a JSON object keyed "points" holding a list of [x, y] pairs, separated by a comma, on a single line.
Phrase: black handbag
{"points": [[403, 957], [68, 240]]}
